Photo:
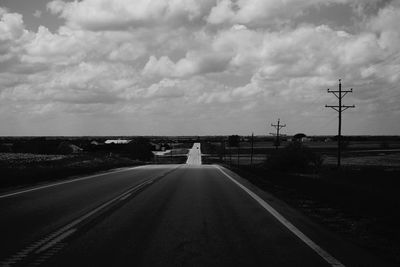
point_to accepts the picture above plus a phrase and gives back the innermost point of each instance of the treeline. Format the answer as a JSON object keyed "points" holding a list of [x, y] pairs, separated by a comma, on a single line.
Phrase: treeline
{"points": [[139, 148]]}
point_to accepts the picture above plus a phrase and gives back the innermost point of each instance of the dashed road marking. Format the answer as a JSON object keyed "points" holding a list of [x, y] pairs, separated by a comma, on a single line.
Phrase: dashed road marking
{"points": [[125, 196], [66, 182], [321, 252], [56, 240], [65, 231]]}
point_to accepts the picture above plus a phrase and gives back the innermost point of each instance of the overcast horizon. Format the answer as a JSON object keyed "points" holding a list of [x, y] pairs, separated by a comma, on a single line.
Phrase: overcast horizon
{"points": [[187, 67]]}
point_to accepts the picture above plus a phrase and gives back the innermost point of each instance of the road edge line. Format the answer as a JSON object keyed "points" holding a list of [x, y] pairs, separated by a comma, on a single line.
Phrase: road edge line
{"points": [[320, 251]]}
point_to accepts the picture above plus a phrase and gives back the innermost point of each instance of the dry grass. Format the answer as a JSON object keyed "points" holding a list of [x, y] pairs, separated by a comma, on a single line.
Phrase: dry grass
{"points": [[22, 169], [382, 160], [24, 158]]}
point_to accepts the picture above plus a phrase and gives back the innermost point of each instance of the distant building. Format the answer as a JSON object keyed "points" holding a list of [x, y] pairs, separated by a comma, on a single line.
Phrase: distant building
{"points": [[117, 142], [306, 139], [155, 146]]}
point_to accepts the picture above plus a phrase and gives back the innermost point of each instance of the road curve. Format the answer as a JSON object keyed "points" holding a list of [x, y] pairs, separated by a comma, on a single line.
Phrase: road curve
{"points": [[159, 215]]}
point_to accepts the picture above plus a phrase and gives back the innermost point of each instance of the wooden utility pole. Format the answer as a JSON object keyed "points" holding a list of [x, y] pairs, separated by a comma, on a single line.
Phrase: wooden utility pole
{"points": [[223, 150], [238, 153], [278, 127], [252, 149], [171, 153], [230, 154], [340, 108]]}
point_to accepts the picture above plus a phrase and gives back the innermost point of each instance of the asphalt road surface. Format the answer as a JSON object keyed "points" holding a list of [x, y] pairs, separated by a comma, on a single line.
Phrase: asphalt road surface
{"points": [[162, 215], [194, 155]]}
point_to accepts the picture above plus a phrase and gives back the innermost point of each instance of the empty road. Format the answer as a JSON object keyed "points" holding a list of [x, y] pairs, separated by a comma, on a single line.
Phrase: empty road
{"points": [[194, 155], [160, 215]]}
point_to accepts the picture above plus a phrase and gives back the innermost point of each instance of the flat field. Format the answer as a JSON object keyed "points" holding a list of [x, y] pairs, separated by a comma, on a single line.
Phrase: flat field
{"points": [[20, 169], [368, 153]]}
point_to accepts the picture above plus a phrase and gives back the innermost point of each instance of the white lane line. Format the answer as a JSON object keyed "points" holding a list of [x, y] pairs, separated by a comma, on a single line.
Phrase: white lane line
{"points": [[125, 196], [56, 240], [66, 182], [87, 215], [321, 252], [47, 242]]}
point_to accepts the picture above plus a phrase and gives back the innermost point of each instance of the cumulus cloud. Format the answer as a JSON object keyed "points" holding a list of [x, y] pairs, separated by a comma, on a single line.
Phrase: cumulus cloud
{"points": [[195, 62], [116, 14], [142, 57], [11, 25], [264, 13], [123, 14], [37, 14]]}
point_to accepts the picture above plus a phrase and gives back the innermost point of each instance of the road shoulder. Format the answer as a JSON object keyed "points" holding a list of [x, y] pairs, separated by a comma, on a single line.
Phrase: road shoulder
{"points": [[344, 250]]}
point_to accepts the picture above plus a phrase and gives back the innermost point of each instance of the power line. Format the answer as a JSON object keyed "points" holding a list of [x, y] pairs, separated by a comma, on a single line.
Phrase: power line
{"points": [[340, 108]]}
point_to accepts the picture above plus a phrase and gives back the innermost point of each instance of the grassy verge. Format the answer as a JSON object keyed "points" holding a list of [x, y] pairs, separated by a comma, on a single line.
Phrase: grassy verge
{"points": [[360, 204], [19, 169]]}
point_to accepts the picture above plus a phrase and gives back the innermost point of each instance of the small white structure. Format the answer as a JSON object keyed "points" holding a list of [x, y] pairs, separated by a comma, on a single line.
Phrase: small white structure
{"points": [[117, 142], [95, 143]]}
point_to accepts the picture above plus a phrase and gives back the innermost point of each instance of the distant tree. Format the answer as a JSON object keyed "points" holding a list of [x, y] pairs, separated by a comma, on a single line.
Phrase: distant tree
{"points": [[233, 140], [299, 136], [6, 148], [140, 148], [65, 148]]}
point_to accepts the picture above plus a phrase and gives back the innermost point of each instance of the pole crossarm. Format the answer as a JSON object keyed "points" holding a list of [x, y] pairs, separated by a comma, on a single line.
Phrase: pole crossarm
{"points": [[333, 107], [344, 107], [278, 126], [340, 94]]}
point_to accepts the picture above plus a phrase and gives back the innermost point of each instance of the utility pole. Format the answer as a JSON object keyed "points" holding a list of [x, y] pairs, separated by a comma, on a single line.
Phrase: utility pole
{"points": [[340, 108], [278, 127], [230, 154], [238, 153], [252, 149], [171, 153], [223, 149]]}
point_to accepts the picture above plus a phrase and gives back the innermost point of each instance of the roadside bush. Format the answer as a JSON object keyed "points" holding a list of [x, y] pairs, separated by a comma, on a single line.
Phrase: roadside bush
{"points": [[233, 140], [6, 148], [140, 149], [65, 148], [384, 144], [294, 157]]}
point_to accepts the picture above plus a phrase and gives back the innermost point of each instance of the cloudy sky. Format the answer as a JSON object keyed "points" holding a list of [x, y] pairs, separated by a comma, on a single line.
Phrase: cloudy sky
{"points": [[191, 67]]}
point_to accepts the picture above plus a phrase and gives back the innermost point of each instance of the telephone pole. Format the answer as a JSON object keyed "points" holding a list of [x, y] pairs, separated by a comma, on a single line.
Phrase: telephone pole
{"points": [[252, 149], [340, 108], [278, 127]]}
